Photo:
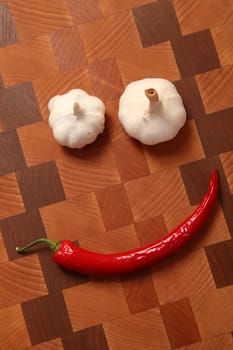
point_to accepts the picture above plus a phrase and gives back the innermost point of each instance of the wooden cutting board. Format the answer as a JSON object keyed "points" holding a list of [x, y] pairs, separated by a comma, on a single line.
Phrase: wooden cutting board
{"points": [[115, 194]]}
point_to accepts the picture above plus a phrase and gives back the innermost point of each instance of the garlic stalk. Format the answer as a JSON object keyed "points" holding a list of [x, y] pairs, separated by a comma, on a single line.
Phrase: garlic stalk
{"points": [[152, 95]]}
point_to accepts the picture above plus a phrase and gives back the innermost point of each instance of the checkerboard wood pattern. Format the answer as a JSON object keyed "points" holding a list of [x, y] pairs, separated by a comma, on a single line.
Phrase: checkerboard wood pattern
{"points": [[115, 194]]}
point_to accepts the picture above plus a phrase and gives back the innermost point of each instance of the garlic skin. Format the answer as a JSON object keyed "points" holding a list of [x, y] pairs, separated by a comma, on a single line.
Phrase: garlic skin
{"points": [[151, 110], [76, 118]]}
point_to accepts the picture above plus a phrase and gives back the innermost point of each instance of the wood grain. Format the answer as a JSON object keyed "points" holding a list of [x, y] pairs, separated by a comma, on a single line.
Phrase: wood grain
{"points": [[11, 155], [139, 292], [221, 262], [152, 61], [211, 85], [94, 304], [84, 11], [184, 148], [62, 41], [84, 206], [135, 157], [13, 328], [49, 320], [214, 231], [12, 275], [33, 20], [89, 338], [59, 83], [8, 34], [175, 314], [155, 194], [227, 161], [115, 194], [109, 36], [208, 309], [3, 253], [106, 79], [224, 342], [224, 42], [109, 7], [178, 278], [114, 207], [40, 190], [195, 16], [135, 335], [17, 229], [119, 239], [19, 101], [83, 173], [23, 61], [11, 199], [54, 344]]}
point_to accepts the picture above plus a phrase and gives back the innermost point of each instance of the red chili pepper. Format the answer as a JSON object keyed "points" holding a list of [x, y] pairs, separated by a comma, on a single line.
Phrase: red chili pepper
{"points": [[75, 258]]}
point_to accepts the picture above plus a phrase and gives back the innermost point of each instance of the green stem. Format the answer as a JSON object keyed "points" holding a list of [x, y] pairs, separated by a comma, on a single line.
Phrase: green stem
{"points": [[53, 245]]}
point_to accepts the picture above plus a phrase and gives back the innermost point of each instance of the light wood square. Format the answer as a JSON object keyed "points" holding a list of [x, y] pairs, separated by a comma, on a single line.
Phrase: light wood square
{"points": [[58, 84], [38, 143], [145, 330], [223, 40], [109, 7], [122, 239], [3, 253], [185, 275], [23, 62], [186, 147], [91, 171], [34, 18], [109, 36], [197, 15], [223, 342], [13, 331], [10, 197], [94, 303], [216, 89], [23, 275], [155, 194], [82, 218], [208, 309], [154, 61], [227, 163]]}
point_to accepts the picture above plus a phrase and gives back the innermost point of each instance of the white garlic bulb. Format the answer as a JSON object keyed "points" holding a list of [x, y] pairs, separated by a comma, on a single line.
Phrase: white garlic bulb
{"points": [[151, 110], [76, 118]]}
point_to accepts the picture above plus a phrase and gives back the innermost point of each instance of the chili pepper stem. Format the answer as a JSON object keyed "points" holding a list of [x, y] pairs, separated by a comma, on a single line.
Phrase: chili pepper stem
{"points": [[53, 245]]}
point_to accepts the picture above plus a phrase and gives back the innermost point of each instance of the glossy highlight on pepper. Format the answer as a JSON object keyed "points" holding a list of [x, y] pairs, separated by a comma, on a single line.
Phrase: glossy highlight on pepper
{"points": [[72, 257]]}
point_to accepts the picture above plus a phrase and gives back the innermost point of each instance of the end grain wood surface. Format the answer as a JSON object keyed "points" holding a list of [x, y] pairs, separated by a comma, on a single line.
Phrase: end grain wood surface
{"points": [[115, 194]]}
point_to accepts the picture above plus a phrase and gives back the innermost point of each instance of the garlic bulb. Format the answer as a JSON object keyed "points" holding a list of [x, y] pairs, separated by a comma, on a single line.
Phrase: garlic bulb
{"points": [[151, 110], [76, 118]]}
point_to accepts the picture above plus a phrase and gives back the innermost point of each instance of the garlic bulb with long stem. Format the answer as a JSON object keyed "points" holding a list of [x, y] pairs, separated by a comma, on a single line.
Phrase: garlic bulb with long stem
{"points": [[151, 110]]}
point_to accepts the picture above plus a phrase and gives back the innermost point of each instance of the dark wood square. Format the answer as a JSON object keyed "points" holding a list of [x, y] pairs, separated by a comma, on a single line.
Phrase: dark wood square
{"points": [[44, 319], [40, 185], [21, 229], [8, 34], [19, 106], [11, 155]]}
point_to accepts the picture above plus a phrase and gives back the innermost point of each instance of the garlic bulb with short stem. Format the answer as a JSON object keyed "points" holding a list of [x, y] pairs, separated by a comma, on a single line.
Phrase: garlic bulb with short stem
{"points": [[76, 118]]}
